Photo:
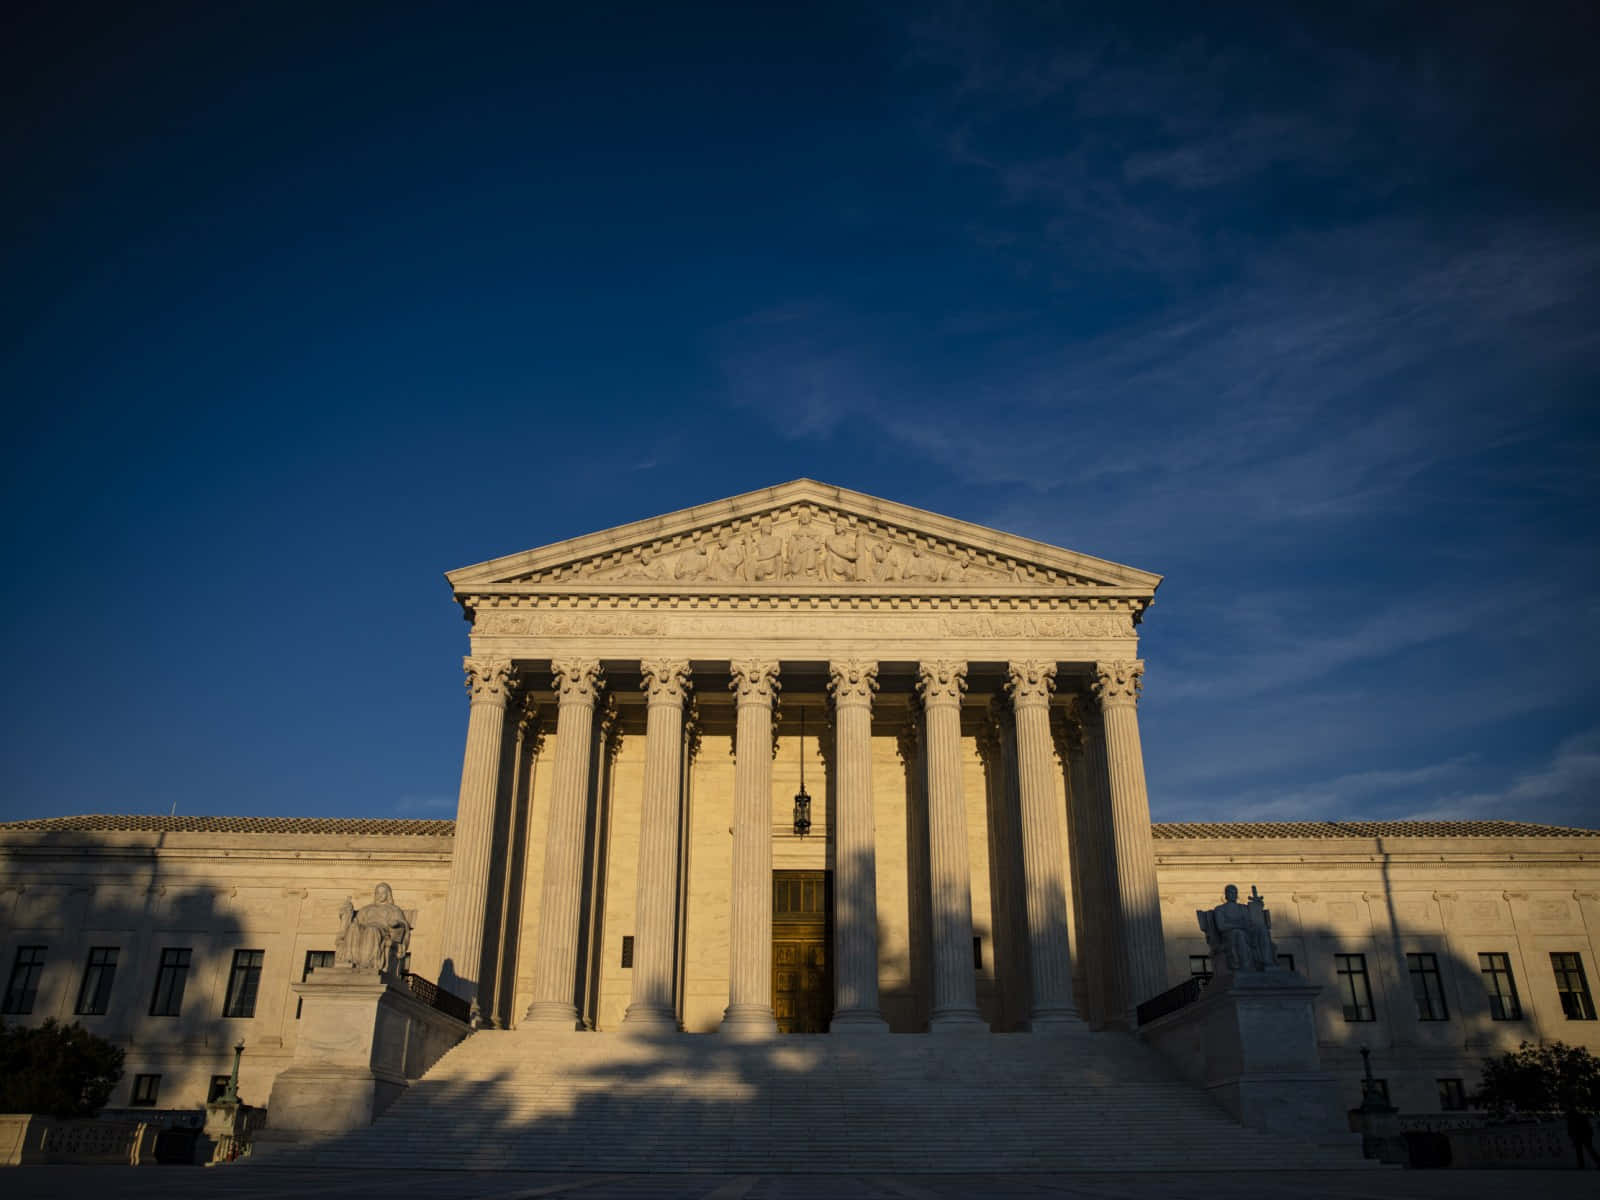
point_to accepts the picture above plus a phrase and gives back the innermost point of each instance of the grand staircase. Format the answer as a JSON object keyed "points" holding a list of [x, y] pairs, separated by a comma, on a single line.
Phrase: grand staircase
{"points": [[532, 1100]]}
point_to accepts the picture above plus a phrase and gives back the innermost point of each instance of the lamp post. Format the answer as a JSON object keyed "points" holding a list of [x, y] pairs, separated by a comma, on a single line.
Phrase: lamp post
{"points": [[802, 799], [231, 1095]]}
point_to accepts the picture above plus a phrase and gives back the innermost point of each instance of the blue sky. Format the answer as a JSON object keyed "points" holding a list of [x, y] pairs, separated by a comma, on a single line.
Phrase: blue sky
{"points": [[307, 304]]}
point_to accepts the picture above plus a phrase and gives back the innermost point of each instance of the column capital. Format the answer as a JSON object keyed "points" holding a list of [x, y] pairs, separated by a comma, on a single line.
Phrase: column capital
{"points": [[609, 724], [577, 680], [489, 680], [528, 722], [941, 683], [1030, 682], [1118, 682], [1067, 731], [852, 681], [754, 681], [665, 681]]}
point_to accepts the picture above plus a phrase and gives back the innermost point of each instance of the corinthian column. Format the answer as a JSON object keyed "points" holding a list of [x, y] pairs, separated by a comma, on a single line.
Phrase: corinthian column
{"points": [[955, 1000], [749, 1011], [918, 904], [555, 964], [489, 683], [855, 894], [656, 918], [1044, 858], [1116, 685]]}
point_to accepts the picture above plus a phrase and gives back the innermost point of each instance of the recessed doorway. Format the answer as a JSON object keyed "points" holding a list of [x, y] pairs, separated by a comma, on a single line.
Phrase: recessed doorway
{"points": [[802, 950]]}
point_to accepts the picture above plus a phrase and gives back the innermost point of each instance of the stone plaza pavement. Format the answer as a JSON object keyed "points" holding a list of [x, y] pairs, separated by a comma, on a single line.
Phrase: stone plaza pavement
{"points": [[260, 1182]]}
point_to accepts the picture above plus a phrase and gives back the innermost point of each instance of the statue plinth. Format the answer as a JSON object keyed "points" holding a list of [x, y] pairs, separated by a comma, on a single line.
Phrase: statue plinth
{"points": [[361, 1039], [1251, 1042]]}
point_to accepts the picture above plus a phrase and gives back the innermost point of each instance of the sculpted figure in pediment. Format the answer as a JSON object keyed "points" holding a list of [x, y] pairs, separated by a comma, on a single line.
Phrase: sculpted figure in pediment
{"points": [[844, 553], [726, 563], [765, 554], [803, 553]]}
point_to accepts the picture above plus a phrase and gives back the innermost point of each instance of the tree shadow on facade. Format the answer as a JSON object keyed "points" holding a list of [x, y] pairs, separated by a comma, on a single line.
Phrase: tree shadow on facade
{"points": [[138, 955]]}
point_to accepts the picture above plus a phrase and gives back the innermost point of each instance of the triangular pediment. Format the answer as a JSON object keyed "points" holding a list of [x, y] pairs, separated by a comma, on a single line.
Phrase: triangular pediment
{"points": [[801, 536]]}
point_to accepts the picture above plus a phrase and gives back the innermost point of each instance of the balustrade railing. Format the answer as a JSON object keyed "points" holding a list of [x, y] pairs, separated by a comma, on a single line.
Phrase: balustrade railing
{"points": [[434, 996], [1170, 1001]]}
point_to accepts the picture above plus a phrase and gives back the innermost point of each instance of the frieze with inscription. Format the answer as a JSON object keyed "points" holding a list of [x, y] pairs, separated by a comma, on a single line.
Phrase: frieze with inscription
{"points": [[649, 624]]}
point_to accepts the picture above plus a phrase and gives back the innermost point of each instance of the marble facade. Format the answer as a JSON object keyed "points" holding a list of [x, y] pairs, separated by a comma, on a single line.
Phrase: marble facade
{"points": [[642, 703]]}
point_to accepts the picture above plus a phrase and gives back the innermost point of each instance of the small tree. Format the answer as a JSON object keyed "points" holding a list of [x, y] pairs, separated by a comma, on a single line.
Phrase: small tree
{"points": [[59, 1070], [1545, 1078]]}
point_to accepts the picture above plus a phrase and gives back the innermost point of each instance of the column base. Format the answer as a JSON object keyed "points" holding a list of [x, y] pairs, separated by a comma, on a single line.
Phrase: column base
{"points": [[552, 1014], [748, 1022], [1059, 1021], [649, 1018], [859, 1021], [958, 1021]]}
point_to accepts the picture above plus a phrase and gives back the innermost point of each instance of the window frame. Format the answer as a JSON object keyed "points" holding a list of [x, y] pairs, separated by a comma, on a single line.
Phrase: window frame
{"points": [[172, 978], [1491, 972], [324, 959], [1452, 1095], [244, 984], [1347, 969], [1427, 986], [217, 1087], [22, 985], [100, 970], [1565, 975], [136, 1098], [1200, 968]]}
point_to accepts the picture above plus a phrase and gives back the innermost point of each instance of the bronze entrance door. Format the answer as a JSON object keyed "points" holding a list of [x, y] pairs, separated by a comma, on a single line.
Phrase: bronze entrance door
{"points": [[802, 951]]}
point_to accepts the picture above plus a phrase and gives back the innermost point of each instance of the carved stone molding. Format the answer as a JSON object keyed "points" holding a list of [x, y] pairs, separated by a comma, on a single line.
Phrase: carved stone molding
{"points": [[941, 682], [754, 681], [577, 680], [1513, 895], [683, 616], [852, 681], [1030, 682], [664, 681], [1118, 682], [489, 679]]}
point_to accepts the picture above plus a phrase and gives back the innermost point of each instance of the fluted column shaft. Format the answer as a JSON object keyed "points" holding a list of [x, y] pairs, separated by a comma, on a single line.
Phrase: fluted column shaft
{"points": [[555, 971], [918, 904], [955, 1002], [749, 1011], [1091, 897], [1112, 972], [655, 914], [489, 683], [855, 939], [1117, 686], [1044, 858]]}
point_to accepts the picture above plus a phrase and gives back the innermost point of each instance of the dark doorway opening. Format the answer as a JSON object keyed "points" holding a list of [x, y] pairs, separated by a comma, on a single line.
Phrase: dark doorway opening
{"points": [[802, 950]]}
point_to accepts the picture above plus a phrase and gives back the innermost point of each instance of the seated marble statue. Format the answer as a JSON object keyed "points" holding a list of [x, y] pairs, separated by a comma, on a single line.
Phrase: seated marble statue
{"points": [[375, 936], [1239, 935]]}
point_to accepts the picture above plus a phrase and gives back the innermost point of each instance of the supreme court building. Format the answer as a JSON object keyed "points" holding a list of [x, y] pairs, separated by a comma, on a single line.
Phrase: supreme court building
{"points": [[805, 761]]}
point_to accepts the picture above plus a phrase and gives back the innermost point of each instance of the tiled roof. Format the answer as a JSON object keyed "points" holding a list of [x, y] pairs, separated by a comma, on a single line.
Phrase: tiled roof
{"points": [[1177, 830], [1164, 831], [161, 824]]}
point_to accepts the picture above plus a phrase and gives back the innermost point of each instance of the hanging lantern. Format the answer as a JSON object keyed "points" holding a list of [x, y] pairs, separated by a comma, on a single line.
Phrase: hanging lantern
{"points": [[802, 799]]}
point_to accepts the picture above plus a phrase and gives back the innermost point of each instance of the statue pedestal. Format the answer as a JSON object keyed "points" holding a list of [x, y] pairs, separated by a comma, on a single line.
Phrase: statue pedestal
{"points": [[362, 1039], [1251, 1042]]}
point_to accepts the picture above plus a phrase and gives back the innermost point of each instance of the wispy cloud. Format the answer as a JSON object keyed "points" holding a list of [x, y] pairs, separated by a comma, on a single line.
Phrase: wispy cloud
{"points": [[1566, 788]]}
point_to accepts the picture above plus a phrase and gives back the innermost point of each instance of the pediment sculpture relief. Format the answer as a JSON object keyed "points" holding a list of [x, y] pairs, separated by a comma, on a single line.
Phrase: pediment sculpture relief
{"points": [[803, 545]]}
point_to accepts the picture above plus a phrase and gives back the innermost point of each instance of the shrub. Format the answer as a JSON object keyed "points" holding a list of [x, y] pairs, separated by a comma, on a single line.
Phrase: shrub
{"points": [[58, 1070], [1546, 1078]]}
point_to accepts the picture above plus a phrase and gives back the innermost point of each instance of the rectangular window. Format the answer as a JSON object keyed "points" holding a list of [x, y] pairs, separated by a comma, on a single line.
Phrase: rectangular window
{"points": [[219, 1085], [1573, 985], [1501, 986], [244, 981], [627, 950], [1355, 991], [145, 1089], [1200, 967], [94, 997], [23, 987], [977, 953], [1427, 989], [1286, 961], [170, 979], [1452, 1096], [314, 959]]}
